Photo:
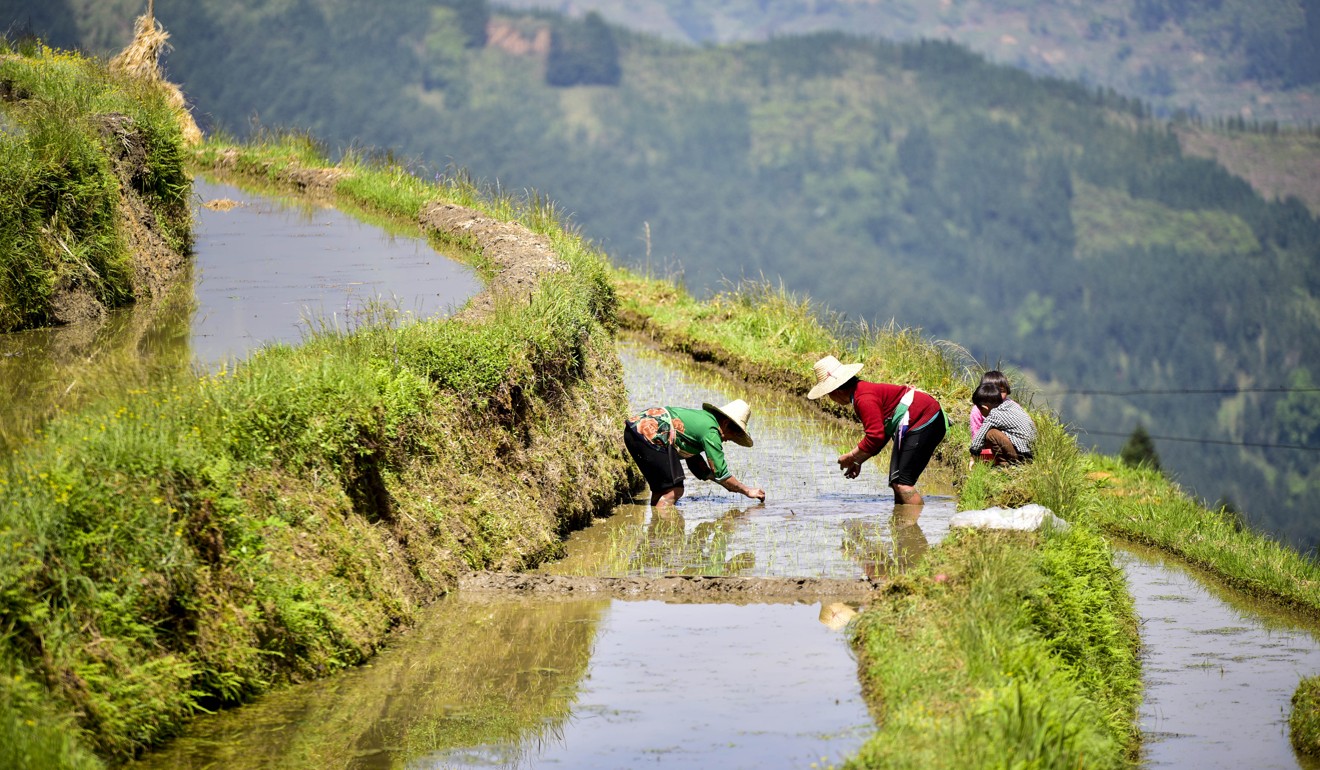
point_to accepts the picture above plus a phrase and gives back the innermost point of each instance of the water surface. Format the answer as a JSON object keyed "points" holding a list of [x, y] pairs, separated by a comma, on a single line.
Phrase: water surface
{"points": [[270, 268], [266, 269], [813, 523], [1219, 669]]}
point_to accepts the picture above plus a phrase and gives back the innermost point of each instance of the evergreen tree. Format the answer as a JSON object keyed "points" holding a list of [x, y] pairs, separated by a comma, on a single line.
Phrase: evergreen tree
{"points": [[583, 54], [1140, 450], [442, 62]]}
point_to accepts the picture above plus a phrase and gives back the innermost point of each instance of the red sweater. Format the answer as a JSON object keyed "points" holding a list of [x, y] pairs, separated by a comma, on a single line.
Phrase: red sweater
{"points": [[875, 402]]}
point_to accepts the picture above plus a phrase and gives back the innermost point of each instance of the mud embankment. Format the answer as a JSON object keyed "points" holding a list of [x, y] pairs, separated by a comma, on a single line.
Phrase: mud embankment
{"points": [[680, 588]]}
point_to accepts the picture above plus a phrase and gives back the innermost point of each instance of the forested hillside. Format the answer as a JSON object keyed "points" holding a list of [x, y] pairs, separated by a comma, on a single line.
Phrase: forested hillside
{"points": [[1258, 59], [1039, 223]]}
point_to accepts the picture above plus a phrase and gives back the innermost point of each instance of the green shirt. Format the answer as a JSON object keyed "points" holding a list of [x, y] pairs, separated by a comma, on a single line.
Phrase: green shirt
{"points": [[700, 432]]}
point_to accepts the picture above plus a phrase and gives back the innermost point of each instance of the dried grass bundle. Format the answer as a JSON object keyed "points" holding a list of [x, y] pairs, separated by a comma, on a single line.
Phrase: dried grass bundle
{"points": [[141, 59]]}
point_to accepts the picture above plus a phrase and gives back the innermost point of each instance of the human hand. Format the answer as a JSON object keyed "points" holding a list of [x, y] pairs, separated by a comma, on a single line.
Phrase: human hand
{"points": [[756, 493], [852, 467], [852, 471]]}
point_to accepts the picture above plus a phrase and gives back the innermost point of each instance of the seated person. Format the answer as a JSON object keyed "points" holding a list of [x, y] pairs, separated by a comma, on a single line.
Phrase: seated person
{"points": [[1000, 380], [1006, 428]]}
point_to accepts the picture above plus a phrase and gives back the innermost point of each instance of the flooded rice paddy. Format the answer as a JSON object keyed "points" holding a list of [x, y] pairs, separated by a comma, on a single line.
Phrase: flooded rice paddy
{"points": [[266, 269], [492, 681], [270, 269], [631, 683], [1220, 669], [516, 683], [813, 523]]}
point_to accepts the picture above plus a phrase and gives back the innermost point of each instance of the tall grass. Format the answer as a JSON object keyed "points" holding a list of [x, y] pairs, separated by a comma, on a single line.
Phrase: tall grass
{"points": [[1014, 656], [1144, 506], [67, 132]]}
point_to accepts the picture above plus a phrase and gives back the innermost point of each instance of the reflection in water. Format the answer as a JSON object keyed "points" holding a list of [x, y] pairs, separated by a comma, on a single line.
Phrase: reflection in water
{"points": [[500, 672], [705, 550], [265, 269], [814, 522], [882, 556], [270, 266], [1219, 670], [572, 683], [626, 544], [49, 371], [702, 686]]}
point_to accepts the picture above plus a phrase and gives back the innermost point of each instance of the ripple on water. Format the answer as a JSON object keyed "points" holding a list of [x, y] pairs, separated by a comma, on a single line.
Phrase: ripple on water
{"points": [[1220, 670]]}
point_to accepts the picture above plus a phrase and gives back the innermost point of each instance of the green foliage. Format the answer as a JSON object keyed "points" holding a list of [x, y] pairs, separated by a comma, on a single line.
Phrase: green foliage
{"points": [[32, 737], [1143, 505], [179, 547], [1139, 450], [1304, 719], [1003, 646], [1110, 220], [472, 17], [70, 135], [444, 49], [1298, 413], [583, 54]]}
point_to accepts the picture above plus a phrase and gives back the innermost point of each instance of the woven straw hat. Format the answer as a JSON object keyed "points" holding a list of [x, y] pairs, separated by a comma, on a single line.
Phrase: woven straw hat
{"points": [[830, 374], [738, 412]]}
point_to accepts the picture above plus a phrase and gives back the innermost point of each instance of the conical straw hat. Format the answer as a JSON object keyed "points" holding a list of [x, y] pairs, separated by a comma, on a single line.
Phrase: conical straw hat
{"points": [[830, 374], [738, 412]]}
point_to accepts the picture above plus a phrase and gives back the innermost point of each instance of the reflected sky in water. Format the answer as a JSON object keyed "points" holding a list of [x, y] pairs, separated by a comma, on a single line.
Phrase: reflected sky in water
{"points": [[701, 686], [1220, 671], [269, 266], [520, 683]]}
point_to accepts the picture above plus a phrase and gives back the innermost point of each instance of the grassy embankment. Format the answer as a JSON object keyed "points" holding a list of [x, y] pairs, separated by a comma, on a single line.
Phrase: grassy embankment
{"points": [[87, 156], [84, 154], [188, 547], [1021, 647]]}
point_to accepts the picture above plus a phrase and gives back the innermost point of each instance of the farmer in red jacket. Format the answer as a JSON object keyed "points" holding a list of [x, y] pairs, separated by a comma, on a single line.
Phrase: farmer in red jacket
{"points": [[912, 419]]}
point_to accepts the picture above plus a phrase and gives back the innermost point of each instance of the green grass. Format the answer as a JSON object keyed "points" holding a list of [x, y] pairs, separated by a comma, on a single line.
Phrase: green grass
{"points": [[189, 545], [1304, 721], [1142, 505], [60, 138], [1015, 647]]}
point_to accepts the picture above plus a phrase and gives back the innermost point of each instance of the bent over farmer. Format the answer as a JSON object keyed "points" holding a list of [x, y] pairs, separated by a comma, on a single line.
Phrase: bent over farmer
{"points": [[913, 420], [661, 436]]}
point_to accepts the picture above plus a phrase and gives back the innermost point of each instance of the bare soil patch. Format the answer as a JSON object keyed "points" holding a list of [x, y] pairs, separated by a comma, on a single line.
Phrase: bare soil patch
{"points": [[520, 257], [1276, 166]]}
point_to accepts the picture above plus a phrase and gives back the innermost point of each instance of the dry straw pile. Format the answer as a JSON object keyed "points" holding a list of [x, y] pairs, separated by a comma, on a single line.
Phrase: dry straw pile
{"points": [[141, 59]]}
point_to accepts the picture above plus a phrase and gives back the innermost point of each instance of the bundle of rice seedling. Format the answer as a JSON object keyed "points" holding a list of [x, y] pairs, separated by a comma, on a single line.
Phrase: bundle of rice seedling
{"points": [[141, 59]]}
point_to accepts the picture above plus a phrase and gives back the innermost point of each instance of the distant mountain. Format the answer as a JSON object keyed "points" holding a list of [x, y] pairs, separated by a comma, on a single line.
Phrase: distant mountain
{"points": [[1040, 223], [1255, 59]]}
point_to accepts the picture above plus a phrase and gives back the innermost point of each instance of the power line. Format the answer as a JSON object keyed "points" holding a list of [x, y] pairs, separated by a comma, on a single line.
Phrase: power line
{"points": [[1219, 442], [1175, 391]]}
